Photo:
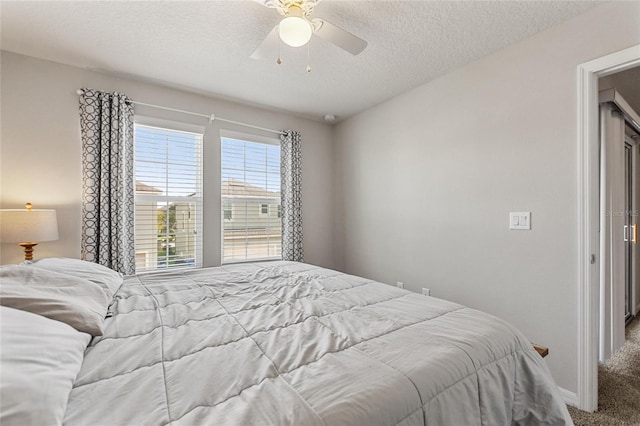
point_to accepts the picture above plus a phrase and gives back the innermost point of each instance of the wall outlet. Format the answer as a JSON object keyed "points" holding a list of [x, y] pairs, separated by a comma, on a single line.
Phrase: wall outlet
{"points": [[426, 291], [400, 284]]}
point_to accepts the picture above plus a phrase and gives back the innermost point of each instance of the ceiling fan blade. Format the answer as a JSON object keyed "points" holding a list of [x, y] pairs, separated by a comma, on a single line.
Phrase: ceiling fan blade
{"points": [[268, 46], [341, 38]]}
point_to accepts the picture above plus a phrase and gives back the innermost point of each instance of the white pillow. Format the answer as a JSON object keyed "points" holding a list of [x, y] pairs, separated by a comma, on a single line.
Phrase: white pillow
{"points": [[108, 279], [39, 359], [75, 301]]}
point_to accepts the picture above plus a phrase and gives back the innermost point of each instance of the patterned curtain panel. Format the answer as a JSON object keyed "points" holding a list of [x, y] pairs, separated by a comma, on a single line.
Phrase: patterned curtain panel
{"points": [[290, 163], [106, 124]]}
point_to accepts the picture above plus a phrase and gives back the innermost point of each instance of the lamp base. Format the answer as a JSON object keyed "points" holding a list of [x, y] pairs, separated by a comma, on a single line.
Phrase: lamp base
{"points": [[28, 250]]}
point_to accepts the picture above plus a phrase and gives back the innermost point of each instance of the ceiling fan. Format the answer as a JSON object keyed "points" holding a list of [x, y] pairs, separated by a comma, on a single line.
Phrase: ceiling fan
{"points": [[296, 28]]}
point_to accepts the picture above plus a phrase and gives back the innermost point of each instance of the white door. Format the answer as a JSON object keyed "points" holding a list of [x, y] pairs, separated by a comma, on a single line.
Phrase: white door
{"points": [[613, 218]]}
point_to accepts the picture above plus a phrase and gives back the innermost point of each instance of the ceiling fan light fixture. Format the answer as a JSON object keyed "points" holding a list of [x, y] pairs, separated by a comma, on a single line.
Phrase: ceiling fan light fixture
{"points": [[294, 30]]}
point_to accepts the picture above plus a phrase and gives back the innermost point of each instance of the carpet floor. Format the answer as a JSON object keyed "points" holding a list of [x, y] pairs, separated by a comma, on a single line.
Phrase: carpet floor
{"points": [[618, 386]]}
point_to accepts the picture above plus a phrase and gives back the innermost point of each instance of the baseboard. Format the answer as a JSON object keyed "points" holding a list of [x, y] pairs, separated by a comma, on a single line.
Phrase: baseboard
{"points": [[637, 309], [570, 398]]}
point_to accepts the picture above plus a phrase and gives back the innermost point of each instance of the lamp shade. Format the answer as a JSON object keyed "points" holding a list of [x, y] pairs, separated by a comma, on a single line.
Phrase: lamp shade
{"points": [[19, 225], [295, 31]]}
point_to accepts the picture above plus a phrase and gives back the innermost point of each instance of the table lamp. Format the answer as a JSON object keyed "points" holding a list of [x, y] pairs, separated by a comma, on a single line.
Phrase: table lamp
{"points": [[28, 227]]}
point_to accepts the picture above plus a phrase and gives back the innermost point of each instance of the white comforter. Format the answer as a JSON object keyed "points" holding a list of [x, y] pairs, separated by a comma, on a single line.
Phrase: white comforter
{"points": [[284, 343]]}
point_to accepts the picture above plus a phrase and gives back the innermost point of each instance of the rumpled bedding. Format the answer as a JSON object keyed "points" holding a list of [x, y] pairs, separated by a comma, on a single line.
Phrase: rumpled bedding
{"points": [[284, 343]]}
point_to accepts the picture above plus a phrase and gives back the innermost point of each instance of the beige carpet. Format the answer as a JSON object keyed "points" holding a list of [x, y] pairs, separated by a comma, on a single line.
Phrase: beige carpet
{"points": [[618, 386]]}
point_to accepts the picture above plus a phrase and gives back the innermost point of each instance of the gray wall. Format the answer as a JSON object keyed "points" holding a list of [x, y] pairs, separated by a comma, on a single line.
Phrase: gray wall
{"points": [[40, 151], [426, 181]]}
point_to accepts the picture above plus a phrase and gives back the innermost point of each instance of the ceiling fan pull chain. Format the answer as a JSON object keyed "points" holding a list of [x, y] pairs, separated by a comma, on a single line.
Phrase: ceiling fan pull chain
{"points": [[308, 49], [279, 61]]}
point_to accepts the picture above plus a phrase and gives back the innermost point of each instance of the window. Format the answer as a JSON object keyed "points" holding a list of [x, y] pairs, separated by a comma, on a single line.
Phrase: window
{"points": [[228, 211], [250, 177], [168, 219]]}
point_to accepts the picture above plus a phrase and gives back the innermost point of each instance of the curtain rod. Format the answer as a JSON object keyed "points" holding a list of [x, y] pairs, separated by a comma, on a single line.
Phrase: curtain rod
{"points": [[211, 117]]}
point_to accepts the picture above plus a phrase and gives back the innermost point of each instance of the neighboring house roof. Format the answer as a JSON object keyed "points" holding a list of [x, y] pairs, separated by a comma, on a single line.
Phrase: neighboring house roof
{"points": [[239, 189], [143, 187]]}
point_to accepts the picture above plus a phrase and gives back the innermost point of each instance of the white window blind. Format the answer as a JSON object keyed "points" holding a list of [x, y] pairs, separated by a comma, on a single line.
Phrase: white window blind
{"points": [[168, 219], [251, 224]]}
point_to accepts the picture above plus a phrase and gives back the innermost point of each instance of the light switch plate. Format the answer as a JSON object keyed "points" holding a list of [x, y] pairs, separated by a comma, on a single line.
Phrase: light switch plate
{"points": [[520, 220]]}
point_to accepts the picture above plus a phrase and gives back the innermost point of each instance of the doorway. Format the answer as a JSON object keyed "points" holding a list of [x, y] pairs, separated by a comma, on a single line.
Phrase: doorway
{"points": [[588, 217]]}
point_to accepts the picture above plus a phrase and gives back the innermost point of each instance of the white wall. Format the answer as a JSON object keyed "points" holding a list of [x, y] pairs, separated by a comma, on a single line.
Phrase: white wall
{"points": [[40, 151], [425, 182]]}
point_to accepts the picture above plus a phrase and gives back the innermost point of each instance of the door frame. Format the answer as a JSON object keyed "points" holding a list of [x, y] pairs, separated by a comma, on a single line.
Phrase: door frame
{"points": [[588, 217]]}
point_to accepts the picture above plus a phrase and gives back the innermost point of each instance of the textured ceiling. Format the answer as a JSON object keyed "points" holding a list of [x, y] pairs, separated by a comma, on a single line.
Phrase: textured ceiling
{"points": [[205, 45]]}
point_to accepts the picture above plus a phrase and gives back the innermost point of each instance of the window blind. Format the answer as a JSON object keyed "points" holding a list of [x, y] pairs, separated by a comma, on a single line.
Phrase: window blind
{"points": [[168, 218], [250, 177]]}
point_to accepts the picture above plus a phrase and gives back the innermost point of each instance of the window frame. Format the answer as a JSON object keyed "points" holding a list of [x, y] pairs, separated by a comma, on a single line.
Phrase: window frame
{"points": [[177, 126]]}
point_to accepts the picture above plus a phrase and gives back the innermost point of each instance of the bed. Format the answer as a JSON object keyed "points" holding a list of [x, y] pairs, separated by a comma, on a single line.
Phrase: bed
{"points": [[272, 343]]}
